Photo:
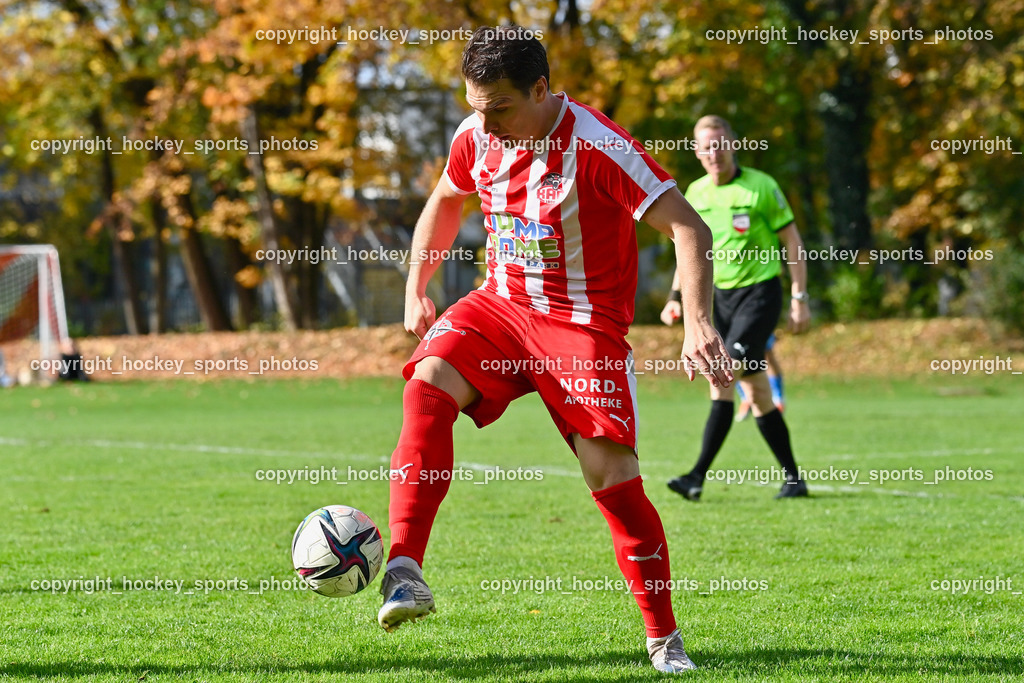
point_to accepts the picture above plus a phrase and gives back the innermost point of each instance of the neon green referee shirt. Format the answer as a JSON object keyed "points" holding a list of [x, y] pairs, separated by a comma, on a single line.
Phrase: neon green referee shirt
{"points": [[745, 216]]}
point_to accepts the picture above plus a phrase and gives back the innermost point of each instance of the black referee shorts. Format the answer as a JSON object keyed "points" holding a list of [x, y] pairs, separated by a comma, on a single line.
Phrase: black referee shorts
{"points": [[746, 317]]}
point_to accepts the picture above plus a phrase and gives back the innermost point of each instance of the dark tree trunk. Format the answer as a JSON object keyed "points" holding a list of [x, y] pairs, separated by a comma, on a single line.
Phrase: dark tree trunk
{"points": [[268, 224], [843, 110], [809, 228], [847, 132], [125, 283], [312, 238], [124, 258], [200, 275], [158, 271], [237, 260]]}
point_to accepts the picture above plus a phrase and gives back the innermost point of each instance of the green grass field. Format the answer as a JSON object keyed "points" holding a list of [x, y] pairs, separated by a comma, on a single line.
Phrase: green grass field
{"points": [[143, 481]]}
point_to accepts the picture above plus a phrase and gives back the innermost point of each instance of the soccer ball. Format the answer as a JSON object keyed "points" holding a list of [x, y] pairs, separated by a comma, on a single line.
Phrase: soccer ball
{"points": [[337, 551]]}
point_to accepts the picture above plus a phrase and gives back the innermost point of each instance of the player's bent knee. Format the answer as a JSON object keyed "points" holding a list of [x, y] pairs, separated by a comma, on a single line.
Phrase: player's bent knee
{"points": [[604, 462], [439, 373]]}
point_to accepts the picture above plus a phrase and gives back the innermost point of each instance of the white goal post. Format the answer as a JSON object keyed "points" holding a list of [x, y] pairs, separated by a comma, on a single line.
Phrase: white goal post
{"points": [[32, 298]]}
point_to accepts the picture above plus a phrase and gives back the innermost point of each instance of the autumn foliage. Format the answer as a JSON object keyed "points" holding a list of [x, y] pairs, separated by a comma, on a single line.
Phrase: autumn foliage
{"points": [[224, 141]]}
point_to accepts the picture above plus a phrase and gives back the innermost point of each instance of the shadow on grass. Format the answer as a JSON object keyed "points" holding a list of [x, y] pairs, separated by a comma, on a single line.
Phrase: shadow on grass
{"points": [[614, 665]]}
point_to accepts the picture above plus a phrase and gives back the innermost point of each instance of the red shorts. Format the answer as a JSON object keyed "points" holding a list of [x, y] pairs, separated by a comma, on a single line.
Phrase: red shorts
{"points": [[584, 375]]}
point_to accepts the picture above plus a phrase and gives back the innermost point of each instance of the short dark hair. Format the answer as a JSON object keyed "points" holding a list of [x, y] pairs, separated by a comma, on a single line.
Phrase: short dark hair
{"points": [[512, 52]]}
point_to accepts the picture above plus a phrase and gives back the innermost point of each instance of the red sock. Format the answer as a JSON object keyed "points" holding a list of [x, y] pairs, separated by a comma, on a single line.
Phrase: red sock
{"points": [[637, 532], [425, 445]]}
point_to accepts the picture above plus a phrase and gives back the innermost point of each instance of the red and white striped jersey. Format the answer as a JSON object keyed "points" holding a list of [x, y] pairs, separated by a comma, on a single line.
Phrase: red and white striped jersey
{"points": [[561, 215]]}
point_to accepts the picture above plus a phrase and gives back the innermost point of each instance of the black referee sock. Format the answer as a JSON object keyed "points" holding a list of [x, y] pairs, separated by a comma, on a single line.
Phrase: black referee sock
{"points": [[776, 433], [717, 428]]}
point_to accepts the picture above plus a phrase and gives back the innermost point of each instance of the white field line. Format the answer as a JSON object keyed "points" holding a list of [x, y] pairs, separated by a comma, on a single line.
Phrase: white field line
{"points": [[905, 494], [548, 471], [186, 448], [940, 453], [263, 452], [244, 450]]}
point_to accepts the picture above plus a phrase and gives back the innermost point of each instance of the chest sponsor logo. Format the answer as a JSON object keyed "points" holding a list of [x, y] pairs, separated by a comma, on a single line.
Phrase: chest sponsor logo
{"points": [[510, 239]]}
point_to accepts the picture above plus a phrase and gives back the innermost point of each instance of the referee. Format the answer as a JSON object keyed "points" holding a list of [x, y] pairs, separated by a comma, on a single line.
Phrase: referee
{"points": [[749, 219]]}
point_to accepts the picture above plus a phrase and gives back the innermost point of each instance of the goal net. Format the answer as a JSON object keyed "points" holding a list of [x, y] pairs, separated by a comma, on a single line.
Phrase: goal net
{"points": [[32, 299]]}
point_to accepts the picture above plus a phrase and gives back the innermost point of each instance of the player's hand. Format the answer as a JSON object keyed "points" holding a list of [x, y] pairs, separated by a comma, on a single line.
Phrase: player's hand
{"points": [[670, 314], [799, 316], [419, 314], [704, 351]]}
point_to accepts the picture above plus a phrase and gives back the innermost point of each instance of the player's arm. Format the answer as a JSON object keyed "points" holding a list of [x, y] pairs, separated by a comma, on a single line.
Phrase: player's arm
{"points": [[434, 233], [703, 348], [793, 247]]}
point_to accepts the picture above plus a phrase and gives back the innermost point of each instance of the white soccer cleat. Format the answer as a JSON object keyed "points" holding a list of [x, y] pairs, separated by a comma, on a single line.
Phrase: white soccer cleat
{"points": [[406, 598], [668, 655]]}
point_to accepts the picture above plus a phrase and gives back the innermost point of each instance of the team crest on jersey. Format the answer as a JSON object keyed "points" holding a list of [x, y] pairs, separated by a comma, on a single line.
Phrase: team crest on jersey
{"points": [[440, 327], [485, 179], [552, 187], [741, 222]]}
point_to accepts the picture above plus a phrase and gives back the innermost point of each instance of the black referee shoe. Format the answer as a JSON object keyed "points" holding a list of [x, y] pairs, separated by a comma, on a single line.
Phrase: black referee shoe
{"points": [[793, 489], [689, 486]]}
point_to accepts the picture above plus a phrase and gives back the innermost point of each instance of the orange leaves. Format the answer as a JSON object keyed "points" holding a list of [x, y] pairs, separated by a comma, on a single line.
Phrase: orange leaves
{"points": [[919, 212], [231, 218], [227, 100], [116, 217], [249, 277]]}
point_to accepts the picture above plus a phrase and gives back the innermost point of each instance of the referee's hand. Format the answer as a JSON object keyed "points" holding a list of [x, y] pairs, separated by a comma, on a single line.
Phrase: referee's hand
{"points": [[704, 352], [670, 314], [799, 316]]}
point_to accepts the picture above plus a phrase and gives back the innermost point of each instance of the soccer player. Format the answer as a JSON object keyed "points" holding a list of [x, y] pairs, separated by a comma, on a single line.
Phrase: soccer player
{"points": [[750, 219], [561, 188]]}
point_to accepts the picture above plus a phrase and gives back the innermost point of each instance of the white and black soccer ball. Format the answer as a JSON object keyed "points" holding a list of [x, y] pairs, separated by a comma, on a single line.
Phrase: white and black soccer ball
{"points": [[337, 551]]}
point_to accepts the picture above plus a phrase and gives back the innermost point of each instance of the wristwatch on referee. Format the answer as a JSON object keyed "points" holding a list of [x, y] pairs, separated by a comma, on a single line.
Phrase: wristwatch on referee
{"points": [[802, 297]]}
